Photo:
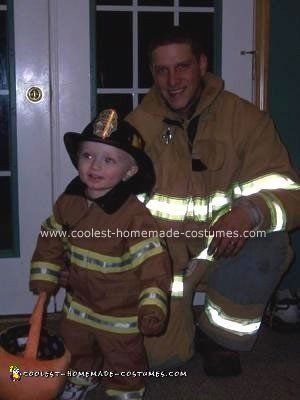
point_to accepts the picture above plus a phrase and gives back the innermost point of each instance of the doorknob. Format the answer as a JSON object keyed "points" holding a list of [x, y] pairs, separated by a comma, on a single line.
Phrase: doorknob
{"points": [[34, 94]]}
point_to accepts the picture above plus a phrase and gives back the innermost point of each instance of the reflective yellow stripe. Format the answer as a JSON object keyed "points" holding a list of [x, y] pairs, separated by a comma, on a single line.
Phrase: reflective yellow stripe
{"points": [[79, 378], [204, 253], [84, 315], [237, 326], [65, 243], [122, 395], [277, 211], [177, 286], [51, 225], [145, 249], [107, 264], [266, 182], [205, 208], [167, 207], [179, 209], [142, 197], [44, 271], [154, 296]]}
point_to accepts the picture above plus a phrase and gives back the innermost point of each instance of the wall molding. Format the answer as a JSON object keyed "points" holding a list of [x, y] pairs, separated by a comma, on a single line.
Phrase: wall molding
{"points": [[20, 319]]}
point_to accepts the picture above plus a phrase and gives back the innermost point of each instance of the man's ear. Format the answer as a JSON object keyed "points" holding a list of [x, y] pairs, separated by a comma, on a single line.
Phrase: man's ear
{"points": [[203, 64], [132, 171]]}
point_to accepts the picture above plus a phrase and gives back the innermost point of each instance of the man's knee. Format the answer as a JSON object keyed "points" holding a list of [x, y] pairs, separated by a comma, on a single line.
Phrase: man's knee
{"points": [[251, 276]]}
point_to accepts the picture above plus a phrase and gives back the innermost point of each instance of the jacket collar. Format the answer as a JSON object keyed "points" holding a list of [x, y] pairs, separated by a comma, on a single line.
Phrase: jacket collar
{"points": [[212, 87], [109, 203]]}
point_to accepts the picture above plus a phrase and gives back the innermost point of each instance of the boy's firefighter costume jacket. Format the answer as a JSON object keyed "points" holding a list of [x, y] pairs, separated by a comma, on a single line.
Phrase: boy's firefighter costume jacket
{"points": [[116, 267], [119, 272], [227, 151]]}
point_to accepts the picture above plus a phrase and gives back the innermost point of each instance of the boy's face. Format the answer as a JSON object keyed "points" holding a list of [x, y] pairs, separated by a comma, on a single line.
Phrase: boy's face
{"points": [[101, 167]]}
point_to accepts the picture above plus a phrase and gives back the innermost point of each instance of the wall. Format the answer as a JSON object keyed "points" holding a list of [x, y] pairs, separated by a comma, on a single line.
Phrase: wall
{"points": [[284, 95]]}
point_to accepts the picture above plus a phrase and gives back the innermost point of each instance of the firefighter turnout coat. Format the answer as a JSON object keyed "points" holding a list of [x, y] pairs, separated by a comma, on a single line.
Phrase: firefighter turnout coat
{"points": [[226, 151]]}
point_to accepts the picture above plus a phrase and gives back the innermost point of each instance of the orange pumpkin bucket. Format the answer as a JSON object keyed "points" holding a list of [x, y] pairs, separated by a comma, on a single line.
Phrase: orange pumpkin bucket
{"points": [[33, 363]]}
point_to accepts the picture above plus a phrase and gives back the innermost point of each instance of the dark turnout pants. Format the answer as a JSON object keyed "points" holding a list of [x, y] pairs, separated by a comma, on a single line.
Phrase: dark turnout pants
{"points": [[237, 292], [115, 357]]}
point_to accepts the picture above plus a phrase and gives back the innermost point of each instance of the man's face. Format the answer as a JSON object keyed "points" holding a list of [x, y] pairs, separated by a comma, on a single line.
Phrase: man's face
{"points": [[177, 75]]}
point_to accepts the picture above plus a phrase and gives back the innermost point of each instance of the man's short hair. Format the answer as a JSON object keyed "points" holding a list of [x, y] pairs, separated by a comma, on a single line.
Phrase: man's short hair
{"points": [[175, 35]]}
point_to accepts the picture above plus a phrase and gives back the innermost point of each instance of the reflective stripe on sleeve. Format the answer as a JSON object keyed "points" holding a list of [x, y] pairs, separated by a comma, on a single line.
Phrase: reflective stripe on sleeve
{"points": [[277, 212], [237, 326], [44, 271], [177, 286], [179, 209], [266, 182], [154, 296], [122, 395], [204, 209], [50, 224]]}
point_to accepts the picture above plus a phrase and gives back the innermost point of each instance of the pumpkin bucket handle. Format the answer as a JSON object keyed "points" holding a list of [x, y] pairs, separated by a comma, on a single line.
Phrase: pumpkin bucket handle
{"points": [[35, 327]]}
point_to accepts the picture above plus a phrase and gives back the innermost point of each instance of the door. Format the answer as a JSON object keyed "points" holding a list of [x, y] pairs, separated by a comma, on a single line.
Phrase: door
{"points": [[52, 59], [45, 57]]}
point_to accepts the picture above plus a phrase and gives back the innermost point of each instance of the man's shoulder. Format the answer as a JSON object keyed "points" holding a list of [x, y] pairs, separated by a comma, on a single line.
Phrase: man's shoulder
{"points": [[147, 118], [230, 102]]}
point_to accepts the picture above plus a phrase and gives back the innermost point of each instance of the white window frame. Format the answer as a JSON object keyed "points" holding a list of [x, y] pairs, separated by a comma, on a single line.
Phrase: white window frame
{"points": [[176, 10]]}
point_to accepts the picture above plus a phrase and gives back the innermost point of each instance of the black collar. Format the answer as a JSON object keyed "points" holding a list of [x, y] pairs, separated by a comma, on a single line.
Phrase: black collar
{"points": [[109, 203]]}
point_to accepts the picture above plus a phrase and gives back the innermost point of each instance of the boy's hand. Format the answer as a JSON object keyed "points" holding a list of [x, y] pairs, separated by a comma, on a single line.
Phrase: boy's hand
{"points": [[151, 320]]}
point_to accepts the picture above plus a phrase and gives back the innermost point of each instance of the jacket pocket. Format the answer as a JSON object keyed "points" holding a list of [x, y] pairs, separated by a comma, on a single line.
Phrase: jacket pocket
{"points": [[210, 152]]}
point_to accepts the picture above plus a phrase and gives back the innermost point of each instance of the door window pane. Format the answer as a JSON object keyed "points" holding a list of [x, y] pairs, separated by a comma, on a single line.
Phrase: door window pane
{"points": [[196, 3], [4, 149], [122, 64], [6, 236], [114, 2], [8, 171], [202, 24], [122, 103], [149, 23], [3, 50], [114, 49], [155, 2]]}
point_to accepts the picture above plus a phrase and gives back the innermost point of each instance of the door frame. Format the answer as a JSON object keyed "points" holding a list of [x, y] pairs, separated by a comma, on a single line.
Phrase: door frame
{"points": [[261, 58]]}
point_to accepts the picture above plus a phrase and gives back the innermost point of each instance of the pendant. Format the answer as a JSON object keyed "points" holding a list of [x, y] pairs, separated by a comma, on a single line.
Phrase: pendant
{"points": [[168, 136]]}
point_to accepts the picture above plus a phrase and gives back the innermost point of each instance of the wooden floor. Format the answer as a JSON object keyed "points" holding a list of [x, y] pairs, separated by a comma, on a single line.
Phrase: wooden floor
{"points": [[271, 371]]}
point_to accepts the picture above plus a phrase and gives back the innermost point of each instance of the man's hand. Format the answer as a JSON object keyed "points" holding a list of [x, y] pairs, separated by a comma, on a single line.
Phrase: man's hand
{"points": [[228, 233]]}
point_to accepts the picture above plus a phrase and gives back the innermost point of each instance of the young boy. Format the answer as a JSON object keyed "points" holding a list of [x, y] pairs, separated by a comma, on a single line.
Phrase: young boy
{"points": [[119, 274]]}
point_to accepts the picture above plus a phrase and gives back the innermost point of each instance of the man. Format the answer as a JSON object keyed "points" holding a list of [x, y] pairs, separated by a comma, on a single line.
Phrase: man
{"points": [[222, 174]]}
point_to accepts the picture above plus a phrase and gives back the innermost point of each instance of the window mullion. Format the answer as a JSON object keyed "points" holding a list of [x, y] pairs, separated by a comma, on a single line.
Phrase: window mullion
{"points": [[135, 55], [176, 12]]}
